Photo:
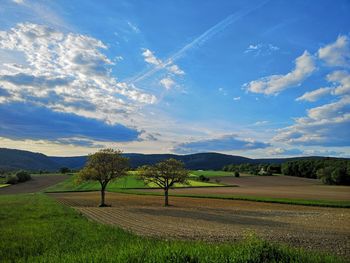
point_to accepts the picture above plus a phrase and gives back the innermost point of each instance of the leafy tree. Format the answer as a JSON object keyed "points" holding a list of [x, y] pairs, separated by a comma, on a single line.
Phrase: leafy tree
{"points": [[104, 166], [64, 170], [164, 174], [237, 174], [23, 176]]}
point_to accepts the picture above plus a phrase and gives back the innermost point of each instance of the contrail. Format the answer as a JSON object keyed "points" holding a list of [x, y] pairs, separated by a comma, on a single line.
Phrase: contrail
{"points": [[200, 40]]}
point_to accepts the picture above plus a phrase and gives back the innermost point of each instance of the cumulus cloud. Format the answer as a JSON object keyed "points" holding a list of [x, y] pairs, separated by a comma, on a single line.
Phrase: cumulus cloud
{"points": [[66, 72], [167, 83], [315, 94], [224, 143], [326, 125], [286, 152], [304, 67], [169, 67], [337, 53], [20, 121], [342, 80]]}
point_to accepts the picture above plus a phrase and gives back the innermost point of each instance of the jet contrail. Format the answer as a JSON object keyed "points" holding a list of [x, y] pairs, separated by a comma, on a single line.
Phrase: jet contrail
{"points": [[199, 41]]}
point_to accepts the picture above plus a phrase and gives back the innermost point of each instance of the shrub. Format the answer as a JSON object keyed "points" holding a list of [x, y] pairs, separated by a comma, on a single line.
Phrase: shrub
{"points": [[202, 178], [11, 179], [64, 170], [23, 176], [237, 174]]}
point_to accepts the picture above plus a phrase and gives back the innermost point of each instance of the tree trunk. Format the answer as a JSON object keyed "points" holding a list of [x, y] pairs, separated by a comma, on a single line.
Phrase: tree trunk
{"points": [[166, 199], [102, 204]]}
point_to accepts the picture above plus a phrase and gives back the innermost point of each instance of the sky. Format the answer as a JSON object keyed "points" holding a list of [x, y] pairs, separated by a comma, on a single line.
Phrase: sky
{"points": [[259, 79]]}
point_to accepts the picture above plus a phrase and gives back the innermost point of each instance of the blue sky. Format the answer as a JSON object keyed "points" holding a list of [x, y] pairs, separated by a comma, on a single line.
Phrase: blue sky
{"points": [[252, 78]]}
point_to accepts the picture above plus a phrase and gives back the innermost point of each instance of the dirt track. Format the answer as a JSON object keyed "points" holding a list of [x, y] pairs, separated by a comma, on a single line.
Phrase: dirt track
{"points": [[271, 186], [36, 184], [219, 220]]}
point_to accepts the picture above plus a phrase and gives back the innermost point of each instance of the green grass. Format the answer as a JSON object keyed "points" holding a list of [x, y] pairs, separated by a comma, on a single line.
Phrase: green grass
{"points": [[35, 228], [3, 185], [210, 173], [130, 181], [321, 203]]}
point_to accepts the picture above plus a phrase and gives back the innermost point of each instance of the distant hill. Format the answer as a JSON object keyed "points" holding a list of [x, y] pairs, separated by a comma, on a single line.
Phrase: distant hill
{"points": [[11, 159]]}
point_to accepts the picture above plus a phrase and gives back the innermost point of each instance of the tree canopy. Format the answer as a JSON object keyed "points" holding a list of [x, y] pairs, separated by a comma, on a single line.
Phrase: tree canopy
{"points": [[104, 166], [164, 174]]}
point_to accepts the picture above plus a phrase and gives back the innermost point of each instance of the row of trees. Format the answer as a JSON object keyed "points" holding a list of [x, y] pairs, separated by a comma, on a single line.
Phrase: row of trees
{"points": [[329, 170], [108, 164], [255, 169]]}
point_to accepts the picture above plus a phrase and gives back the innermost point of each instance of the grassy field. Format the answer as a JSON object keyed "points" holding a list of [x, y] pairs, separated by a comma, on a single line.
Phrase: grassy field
{"points": [[210, 173], [130, 181], [34, 228], [3, 185]]}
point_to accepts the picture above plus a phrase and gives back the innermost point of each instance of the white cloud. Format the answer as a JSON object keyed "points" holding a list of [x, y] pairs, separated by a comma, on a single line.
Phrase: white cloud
{"points": [[66, 72], [236, 98], [133, 27], [169, 67], [283, 151], [167, 83], [18, 1], [326, 125], [261, 49], [175, 69], [343, 79], [304, 67], [259, 123], [315, 94], [151, 58], [337, 53]]}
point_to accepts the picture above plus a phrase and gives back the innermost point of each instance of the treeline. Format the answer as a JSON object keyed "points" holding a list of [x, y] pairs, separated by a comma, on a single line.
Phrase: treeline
{"points": [[15, 177], [329, 170], [255, 169]]}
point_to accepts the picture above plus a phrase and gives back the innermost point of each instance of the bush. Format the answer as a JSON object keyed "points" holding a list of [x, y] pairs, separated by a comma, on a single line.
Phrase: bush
{"points": [[237, 174], [202, 178], [23, 176], [64, 170], [11, 179]]}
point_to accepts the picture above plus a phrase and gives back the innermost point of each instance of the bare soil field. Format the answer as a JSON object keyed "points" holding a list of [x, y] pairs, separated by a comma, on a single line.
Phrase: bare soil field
{"points": [[271, 186], [325, 229], [36, 184]]}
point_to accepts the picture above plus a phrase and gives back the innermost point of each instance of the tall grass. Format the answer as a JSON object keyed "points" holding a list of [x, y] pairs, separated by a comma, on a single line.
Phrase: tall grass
{"points": [[34, 228]]}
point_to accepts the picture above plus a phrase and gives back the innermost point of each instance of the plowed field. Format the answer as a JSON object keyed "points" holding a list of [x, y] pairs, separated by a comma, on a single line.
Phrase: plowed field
{"points": [[214, 220]]}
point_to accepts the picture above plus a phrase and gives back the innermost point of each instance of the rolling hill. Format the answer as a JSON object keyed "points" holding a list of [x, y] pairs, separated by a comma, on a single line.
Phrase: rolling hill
{"points": [[11, 159]]}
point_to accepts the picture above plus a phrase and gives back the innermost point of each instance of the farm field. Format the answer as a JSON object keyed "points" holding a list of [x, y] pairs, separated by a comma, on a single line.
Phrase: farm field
{"points": [[130, 181], [212, 220], [286, 187], [36, 184], [50, 232], [209, 173]]}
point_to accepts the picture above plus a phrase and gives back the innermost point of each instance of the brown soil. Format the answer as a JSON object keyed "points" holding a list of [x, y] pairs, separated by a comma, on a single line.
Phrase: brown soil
{"points": [[214, 220], [36, 184], [271, 186]]}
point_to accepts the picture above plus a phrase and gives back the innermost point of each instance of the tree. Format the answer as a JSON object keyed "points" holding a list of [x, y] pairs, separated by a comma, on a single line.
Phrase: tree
{"points": [[237, 174], [104, 166], [64, 170], [164, 174]]}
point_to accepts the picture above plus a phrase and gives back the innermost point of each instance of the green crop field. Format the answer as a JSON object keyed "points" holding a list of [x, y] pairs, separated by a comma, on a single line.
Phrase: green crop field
{"points": [[210, 173], [35, 228], [130, 181]]}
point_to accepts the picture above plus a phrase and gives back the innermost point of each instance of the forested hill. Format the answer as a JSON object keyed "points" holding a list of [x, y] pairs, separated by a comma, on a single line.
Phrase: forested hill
{"points": [[11, 159]]}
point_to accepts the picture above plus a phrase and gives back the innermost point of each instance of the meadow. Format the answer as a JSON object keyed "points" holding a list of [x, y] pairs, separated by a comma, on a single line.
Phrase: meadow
{"points": [[128, 182], [35, 228]]}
